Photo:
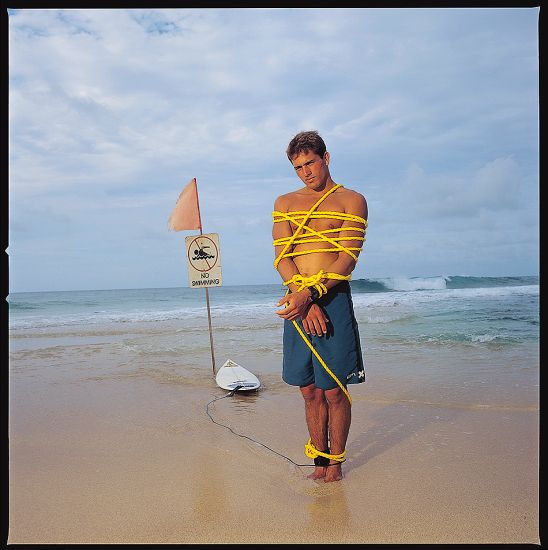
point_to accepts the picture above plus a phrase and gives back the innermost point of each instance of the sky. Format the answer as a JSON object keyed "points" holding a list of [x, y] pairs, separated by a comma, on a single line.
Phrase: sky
{"points": [[431, 114]]}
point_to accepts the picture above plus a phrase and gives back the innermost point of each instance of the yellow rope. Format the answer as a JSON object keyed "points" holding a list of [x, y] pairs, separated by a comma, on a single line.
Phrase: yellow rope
{"points": [[311, 452], [305, 234], [322, 362], [300, 224]]}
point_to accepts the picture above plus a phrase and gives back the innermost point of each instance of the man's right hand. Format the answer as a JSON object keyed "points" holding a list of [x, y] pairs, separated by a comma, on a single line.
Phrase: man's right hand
{"points": [[297, 305], [315, 321]]}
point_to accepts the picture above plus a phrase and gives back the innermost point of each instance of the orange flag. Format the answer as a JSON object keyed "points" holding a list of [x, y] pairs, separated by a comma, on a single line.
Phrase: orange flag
{"points": [[186, 214]]}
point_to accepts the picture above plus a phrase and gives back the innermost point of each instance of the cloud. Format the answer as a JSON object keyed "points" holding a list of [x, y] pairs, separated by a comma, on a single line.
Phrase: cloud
{"points": [[494, 188], [432, 114]]}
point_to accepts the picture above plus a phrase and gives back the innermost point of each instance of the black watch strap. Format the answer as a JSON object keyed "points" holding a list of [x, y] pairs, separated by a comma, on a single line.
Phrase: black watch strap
{"points": [[314, 293]]}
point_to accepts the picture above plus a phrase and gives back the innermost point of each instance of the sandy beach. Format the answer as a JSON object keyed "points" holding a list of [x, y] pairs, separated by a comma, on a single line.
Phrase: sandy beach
{"points": [[130, 456]]}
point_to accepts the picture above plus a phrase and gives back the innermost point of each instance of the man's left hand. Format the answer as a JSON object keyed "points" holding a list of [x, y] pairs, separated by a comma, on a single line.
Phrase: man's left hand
{"points": [[316, 320]]}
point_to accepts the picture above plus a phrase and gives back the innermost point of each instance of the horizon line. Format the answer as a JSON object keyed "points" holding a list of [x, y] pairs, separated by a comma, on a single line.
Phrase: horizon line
{"points": [[261, 284]]}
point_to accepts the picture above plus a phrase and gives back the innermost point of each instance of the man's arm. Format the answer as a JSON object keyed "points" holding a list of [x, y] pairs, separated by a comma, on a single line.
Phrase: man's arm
{"points": [[297, 302]]}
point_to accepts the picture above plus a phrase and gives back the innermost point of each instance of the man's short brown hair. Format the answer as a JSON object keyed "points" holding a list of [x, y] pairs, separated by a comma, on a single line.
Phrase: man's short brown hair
{"points": [[304, 142]]}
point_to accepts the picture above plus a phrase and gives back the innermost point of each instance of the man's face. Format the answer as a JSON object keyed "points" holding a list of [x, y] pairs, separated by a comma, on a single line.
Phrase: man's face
{"points": [[312, 169]]}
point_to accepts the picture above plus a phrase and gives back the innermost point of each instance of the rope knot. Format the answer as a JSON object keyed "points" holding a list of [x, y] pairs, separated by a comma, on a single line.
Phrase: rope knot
{"points": [[306, 282]]}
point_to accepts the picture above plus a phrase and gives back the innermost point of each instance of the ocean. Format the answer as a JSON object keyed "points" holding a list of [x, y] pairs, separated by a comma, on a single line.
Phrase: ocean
{"points": [[462, 341]]}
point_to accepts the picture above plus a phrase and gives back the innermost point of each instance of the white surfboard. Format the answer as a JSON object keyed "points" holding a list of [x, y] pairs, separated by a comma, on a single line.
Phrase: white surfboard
{"points": [[231, 375]]}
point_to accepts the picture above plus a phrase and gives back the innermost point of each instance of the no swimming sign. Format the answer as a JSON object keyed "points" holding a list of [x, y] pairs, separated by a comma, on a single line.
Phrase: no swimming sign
{"points": [[204, 260]]}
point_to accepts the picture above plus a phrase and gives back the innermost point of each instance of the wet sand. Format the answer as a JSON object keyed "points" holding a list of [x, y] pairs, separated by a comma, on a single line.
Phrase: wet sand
{"points": [[125, 457]]}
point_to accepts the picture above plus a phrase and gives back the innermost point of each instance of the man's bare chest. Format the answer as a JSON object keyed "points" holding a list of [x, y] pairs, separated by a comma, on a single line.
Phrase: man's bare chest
{"points": [[320, 218]]}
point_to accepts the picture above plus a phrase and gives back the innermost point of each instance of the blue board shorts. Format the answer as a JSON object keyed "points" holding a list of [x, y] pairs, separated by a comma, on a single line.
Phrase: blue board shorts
{"points": [[339, 348]]}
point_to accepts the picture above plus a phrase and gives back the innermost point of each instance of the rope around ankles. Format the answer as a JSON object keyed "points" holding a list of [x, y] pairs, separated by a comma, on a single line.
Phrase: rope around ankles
{"points": [[311, 452], [305, 234]]}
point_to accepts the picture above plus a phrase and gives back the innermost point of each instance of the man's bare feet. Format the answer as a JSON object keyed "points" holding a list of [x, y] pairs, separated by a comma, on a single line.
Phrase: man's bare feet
{"points": [[333, 473], [330, 473], [318, 473]]}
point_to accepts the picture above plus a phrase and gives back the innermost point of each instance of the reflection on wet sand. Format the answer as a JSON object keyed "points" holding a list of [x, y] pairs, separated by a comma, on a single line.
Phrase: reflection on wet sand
{"points": [[328, 509], [208, 491]]}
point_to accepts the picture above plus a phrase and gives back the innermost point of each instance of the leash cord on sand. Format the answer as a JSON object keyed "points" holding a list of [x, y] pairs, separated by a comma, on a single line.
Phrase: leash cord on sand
{"points": [[246, 436]]}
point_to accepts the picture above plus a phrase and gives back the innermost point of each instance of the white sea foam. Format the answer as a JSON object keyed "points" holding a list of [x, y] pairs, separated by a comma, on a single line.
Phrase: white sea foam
{"points": [[397, 298], [415, 283], [259, 312]]}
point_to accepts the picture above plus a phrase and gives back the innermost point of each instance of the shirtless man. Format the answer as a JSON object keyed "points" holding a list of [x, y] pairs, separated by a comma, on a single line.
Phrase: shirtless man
{"points": [[318, 299]]}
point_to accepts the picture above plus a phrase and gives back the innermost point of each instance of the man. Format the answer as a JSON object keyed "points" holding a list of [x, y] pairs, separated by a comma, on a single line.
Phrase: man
{"points": [[318, 234]]}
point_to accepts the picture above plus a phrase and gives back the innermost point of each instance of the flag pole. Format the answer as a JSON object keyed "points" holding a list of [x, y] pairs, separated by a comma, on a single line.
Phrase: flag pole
{"points": [[206, 293]]}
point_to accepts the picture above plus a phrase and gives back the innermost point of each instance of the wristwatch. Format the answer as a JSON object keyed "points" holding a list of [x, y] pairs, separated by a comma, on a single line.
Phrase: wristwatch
{"points": [[314, 293]]}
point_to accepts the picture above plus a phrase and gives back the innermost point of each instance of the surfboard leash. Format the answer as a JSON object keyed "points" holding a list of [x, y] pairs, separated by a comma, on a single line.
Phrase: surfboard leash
{"points": [[305, 234], [316, 453]]}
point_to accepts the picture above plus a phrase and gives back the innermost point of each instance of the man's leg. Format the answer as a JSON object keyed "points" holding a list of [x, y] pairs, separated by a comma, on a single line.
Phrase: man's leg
{"points": [[315, 407], [339, 414]]}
